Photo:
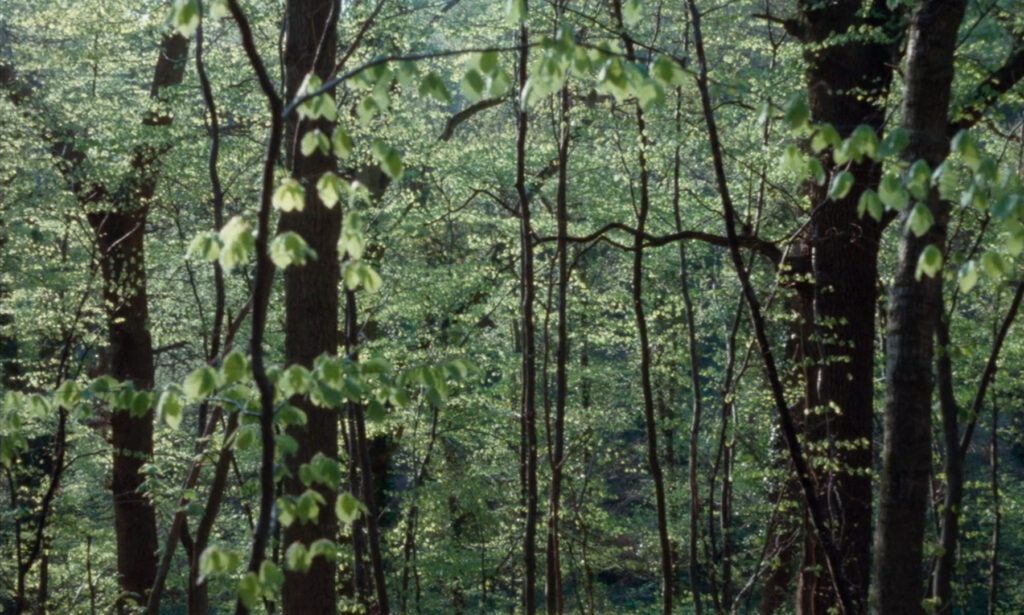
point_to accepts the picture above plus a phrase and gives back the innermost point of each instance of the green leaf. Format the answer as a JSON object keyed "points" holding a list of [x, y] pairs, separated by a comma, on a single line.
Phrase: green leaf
{"points": [[920, 219], [1013, 242], [237, 242], [894, 143], [1007, 207], [892, 193], [296, 557], [817, 170], [516, 11], [249, 590], [825, 136], [296, 380], [347, 508], [388, 158], [185, 17], [315, 140], [329, 189], [245, 437], [68, 394], [929, 263], [200, 382], [290, 249], [798, 114], [864, 141], [993, 265], [967, 277], [632, 11], [352, 240], [205, 246], [668, 71], [169, 409], [271, 577], [235, 367], [793, 160], [473, 85], [870, 204], [842, 182], [341, 142], [919, 179], [965, 145], [434, 87], [219, 9], [486, 62], [290, 196]]}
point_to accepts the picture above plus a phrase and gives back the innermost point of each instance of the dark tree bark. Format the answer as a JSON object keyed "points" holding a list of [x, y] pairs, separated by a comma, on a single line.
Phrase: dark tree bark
{"points": [[120, 237], [554, 567], [814, 507], [262, 285], [914, 310], [311, 294], [528, 454], [847, 84]]}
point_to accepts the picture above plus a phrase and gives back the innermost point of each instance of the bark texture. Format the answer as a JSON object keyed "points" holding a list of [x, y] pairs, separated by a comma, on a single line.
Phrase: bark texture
{"points": [[311, 295], [848, 79], [914, 309]]}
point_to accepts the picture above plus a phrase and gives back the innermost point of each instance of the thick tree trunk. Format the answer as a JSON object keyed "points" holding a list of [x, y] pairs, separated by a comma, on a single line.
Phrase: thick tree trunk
{"points": [[914, 310], [847, 83], [311, 295], [120, 237]]}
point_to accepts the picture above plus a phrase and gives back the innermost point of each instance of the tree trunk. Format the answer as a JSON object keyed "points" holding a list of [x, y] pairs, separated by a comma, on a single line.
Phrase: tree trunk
{"points": [[554, 567], [914, 310], [528, 345], [847, 85], [311, 295], [120, 237]]}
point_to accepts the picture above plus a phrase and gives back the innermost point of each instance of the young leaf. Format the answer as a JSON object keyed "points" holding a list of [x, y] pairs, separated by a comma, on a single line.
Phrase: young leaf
{"points": [[434, 87], [632, 10], [290, 196], [315, 140], [967, 277], [920, 219], [919, 179], [347, 508], [205, 246], [235, 367], [290, 249], [388, 158], [473, 85], [341, 142], [237, 242], [993, 265], [200, 382], [185, 17], [870, 204], [797, 113], [892, 193], [929, 263], [329, 189], [894, 143], [516, 11], [825, 136], [842, 182], [169, 409]]}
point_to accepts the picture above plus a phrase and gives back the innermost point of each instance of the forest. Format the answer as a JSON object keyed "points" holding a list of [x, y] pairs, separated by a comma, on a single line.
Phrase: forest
{"points": [[509, 306]]}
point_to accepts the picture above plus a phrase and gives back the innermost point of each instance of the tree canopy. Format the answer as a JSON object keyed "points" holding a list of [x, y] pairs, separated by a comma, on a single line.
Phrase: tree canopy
{"points": [[465, 306]]}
